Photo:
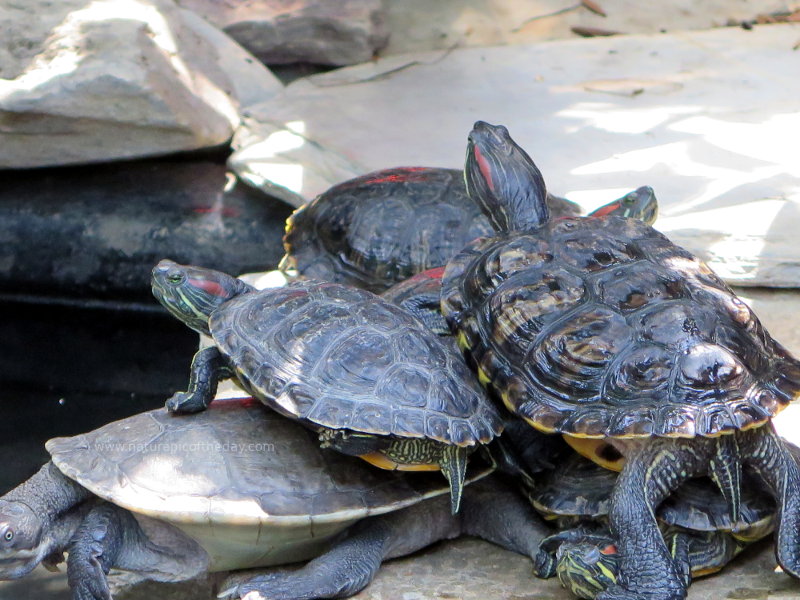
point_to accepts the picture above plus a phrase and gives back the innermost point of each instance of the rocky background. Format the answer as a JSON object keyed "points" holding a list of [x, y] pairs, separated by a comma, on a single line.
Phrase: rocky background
{"points": [[132, 130]]}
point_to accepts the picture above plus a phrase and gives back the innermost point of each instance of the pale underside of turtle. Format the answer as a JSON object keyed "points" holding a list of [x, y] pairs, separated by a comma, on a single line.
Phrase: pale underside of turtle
{"points": [[383, 227], [245, 486], [603, 327], [341, 358]]}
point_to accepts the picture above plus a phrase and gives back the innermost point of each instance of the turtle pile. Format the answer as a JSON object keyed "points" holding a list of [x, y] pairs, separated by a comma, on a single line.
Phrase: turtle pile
{"points": [[593, 396]]}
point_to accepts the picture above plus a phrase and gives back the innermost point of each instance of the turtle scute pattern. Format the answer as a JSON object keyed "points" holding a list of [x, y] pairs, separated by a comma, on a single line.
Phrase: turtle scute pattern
{"points": [[599, 327], [384, 227], [343, 358], [214, 467]]}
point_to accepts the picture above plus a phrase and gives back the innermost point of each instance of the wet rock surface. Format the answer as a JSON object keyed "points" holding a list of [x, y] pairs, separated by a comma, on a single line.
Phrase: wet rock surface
{"points": [[96, 232]]}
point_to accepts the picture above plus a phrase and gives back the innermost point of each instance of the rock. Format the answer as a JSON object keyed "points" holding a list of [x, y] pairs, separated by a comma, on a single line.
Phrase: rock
{"points": [[93, 80], [96, 232], [338, 33], [629, 111], [419, 25]]}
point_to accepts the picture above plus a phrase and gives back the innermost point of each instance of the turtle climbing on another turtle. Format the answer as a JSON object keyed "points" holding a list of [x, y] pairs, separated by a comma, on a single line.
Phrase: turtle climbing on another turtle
{"points": [[604, 331], [381, 228], [363, 373], [236, 487], [695, 520]]}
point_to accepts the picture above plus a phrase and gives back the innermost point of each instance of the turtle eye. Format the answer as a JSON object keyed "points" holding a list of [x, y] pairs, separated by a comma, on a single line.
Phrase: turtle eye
{"points": [[176, 277], [8, 535], [629, 199]]}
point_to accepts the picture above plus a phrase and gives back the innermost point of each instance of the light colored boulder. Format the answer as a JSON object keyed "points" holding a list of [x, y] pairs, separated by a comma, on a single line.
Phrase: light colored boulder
{"points": [[706, 118], [344, 32], [92, 80]]}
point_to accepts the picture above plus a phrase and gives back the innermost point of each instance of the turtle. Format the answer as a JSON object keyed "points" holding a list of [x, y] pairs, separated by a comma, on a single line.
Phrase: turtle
{"points": [[383, 227], [238, 486], [362, 372], [694, 519], [604, 331], [420, 293]]}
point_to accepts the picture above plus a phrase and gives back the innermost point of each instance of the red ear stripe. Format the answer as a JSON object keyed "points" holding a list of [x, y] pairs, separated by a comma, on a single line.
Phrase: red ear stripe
{"points": [[212, 287], [435, 273], [605, 210], [483, 165], [610, 549]]}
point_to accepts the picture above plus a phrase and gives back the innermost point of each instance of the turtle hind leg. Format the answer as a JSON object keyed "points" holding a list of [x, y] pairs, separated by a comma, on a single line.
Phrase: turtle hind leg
{"points": [[454, 467], [351, 564], [208, 367], [777, 464]]}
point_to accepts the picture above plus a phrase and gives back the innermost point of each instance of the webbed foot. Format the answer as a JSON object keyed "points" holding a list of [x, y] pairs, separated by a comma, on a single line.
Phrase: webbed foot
{"points": [[90, 583], [303, 584]]}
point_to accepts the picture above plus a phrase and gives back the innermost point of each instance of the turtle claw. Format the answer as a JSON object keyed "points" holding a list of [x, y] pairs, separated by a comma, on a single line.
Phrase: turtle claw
{"points": [[617, 592], [184, 403]]}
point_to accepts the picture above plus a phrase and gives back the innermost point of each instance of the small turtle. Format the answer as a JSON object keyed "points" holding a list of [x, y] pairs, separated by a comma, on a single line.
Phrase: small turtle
{"points": [[358, 369], [420, 294], [235, 487], [602, 329], [576, 495], [383, 227]]}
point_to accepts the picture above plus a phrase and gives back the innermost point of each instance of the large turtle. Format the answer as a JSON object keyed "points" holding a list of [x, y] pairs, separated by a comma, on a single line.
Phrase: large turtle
{"points": [[358, 369], [603, 329], [381, 228], [238, 486], [576, 494]]}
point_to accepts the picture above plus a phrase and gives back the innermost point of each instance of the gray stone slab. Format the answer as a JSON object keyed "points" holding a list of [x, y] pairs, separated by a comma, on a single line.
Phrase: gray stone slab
{"points": [[704, 117]]}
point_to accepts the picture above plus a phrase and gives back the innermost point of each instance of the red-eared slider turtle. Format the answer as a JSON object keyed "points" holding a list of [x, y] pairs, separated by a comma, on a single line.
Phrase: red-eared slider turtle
{"points": [[383, 227], [420, 294], [238, 486], [695, 520], [358, 369], [603, 329]]}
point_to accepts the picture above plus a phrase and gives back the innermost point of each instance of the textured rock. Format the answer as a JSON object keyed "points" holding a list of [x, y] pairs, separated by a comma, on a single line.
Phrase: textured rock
{"points": [[97, 231], [419, 25], [93, 80], [702, 117], [338, 33]]}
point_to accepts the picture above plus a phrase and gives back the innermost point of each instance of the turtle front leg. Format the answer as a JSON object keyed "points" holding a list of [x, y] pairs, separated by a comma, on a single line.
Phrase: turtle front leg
{"points": [[647, 568], [208, 368], [350, 565], [768, 454], [93, 551]]}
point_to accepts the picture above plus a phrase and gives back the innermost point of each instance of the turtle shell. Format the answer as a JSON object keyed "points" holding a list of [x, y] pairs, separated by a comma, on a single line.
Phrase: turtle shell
{"points": [[237, 463], [420, 295], [343, 358], [579, 488], [603, 327], [383, 227]]}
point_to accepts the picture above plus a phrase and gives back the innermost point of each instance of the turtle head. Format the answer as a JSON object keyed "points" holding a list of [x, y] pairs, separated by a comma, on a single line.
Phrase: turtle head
{"points": [[503, 180], [639, 204], [192, 293], [586, 568], [22, 543]]}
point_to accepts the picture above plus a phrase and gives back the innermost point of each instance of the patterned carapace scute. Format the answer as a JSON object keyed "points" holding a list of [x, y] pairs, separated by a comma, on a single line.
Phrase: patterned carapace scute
{"points": [[603, 327], [381, 228], [343, 358], [220, 464]]}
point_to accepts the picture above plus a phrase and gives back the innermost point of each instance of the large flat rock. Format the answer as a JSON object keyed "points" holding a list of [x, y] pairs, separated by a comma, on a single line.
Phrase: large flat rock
{"points": [[704, 117]]}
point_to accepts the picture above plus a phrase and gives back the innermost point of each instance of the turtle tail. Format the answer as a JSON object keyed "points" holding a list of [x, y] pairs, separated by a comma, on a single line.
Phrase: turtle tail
{"points": [[454, 468]]}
